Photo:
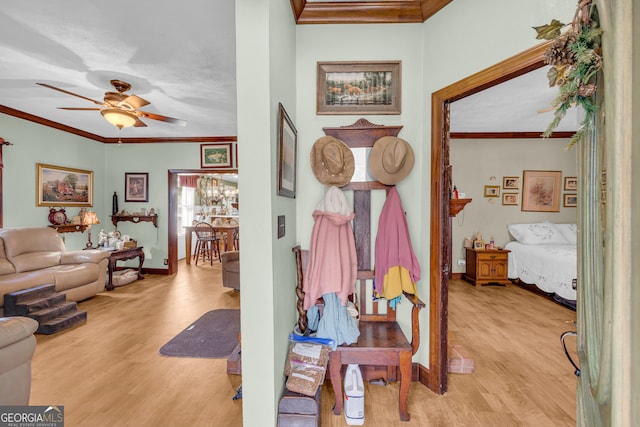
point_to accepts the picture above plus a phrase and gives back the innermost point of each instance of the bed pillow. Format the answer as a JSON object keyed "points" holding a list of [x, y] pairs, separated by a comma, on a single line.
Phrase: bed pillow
{"points": [[542, 233], [569, 232]]}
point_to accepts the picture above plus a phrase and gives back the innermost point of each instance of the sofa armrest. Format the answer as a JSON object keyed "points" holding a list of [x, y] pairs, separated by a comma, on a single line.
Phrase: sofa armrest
{"points": [[15, 329], [79, 257]]}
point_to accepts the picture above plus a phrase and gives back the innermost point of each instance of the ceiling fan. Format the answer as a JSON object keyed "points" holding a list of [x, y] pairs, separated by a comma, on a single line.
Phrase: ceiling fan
{"points": [[119, 108]]}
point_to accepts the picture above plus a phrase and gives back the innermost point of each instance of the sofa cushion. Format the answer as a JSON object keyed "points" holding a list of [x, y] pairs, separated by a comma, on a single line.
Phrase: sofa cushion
{"points": [[30, 239], [35, 261], [70, 276]]}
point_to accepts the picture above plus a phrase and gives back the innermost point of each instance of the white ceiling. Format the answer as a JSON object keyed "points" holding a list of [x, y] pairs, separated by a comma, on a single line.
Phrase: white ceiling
{"points": [[181, 58], [178, 56]]}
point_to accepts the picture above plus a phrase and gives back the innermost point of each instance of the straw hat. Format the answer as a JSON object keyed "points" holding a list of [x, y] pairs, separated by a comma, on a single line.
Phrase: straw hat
{"points": [[332, 161], [391, 160]]}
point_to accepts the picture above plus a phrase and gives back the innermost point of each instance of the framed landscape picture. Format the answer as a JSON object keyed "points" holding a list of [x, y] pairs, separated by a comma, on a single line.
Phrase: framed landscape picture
{"points": [[216, 156], [136, 187], [359, 87], [62, 186], [541, 191], [287, 143], [570, 200]]}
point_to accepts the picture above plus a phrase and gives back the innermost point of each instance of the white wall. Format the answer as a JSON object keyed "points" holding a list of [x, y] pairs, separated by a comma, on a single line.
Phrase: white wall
{"points": [[476, 162]]}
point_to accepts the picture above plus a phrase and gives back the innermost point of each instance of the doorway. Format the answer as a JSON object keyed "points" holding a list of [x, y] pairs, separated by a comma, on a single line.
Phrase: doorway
{"points": [[440, 243], [172, 185]]}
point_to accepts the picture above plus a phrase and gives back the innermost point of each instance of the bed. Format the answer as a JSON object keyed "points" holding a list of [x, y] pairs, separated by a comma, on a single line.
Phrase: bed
{"points": [[544, 254]]}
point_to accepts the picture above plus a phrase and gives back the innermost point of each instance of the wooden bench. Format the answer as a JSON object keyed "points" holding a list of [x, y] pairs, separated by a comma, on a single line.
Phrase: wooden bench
{"points": [[382, 349]]}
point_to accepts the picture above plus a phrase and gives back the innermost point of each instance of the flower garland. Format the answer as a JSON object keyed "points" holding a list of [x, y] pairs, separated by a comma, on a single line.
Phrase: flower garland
{"points": [[575, 57]]}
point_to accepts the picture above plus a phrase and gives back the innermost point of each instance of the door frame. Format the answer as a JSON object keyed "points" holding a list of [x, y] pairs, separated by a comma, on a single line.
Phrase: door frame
{"points": [[515, 66]]}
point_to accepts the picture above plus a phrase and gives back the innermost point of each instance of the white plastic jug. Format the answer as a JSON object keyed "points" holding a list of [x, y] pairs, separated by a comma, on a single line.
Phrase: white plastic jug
{"points": [[353, 396]]}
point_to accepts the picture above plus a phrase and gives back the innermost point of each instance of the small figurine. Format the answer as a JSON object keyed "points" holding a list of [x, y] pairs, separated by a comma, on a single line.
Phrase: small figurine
{"points": [[102, 238]]}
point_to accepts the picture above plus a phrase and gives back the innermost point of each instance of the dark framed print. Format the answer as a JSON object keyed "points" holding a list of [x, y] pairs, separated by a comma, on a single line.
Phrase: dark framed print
{"points": [[511, 182], [216, 156], [359, 87], [541, 191], [570, 200], [287, 147], [136, 187], [570, 183], [63, 186]]}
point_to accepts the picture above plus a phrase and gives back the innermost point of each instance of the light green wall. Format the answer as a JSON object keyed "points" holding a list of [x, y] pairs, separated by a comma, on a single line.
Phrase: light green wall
{"points": [[265, 76], [475, 162]]}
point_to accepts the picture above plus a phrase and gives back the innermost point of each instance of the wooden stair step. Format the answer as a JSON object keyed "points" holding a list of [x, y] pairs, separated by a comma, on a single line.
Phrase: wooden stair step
{"points": [[62, 322], [48, 313]]}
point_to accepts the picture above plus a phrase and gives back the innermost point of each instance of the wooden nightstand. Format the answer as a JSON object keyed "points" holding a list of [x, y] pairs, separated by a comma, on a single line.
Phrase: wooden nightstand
{"points": [[487, 266]]}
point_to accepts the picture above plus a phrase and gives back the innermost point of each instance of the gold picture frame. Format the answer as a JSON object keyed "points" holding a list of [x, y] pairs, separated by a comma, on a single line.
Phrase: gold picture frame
{"points": [[541, 191], [511, 182], [287, 147], [63, 186], [570, 200], [359, 87], [491, 191], [510, 199], [570, 183]]}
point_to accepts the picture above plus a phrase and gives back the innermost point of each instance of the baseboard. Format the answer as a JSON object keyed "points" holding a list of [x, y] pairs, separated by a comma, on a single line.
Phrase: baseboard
{"points": [[457, 276], [164, 271]]}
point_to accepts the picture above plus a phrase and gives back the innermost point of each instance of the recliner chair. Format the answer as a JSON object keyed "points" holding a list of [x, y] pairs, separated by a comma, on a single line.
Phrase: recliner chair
{"points": [[17, 346]]}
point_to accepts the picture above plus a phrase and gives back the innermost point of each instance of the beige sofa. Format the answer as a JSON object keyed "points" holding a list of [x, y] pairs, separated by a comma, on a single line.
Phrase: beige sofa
{"points": [[17, 345], [34, 256]]}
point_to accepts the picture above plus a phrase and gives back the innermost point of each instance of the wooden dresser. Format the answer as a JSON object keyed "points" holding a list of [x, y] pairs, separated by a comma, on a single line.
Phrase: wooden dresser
{"points": [[487, 266]]}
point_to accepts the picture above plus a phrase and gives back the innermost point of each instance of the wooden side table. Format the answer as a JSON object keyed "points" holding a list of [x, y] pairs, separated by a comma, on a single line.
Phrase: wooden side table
{"points": [[122, 255], [487, 266]]}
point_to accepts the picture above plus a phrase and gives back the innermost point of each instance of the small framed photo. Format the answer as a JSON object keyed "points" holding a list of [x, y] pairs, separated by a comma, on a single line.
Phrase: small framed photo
{"points": [[511, 182], [358, 87], [287, 142], [214, 156], [570, 200], [570, 183], [510, 199], [136, 187], [491, 191], [479, 245]]}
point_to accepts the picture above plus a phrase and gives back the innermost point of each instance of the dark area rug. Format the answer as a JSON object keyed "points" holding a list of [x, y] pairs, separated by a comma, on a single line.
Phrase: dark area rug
{"points": [[214, 335]]}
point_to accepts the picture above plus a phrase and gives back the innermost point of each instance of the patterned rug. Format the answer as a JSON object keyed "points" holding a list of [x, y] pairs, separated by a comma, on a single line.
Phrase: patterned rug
{"points": [[213, 335]]}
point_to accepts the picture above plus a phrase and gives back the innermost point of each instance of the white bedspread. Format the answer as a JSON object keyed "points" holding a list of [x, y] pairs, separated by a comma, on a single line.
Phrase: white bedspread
{"points": [[551, 268]]}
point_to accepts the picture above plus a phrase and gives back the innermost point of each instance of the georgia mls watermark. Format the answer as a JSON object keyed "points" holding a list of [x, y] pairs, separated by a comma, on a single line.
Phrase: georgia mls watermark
{"points": [[31, 416]]}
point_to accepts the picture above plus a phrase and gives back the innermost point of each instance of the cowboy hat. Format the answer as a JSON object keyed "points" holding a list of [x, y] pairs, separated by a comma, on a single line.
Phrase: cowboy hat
{"points": [[332, 161], [391, 160]]}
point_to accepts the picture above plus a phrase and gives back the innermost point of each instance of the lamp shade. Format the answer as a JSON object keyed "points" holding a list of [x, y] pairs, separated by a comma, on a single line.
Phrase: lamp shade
{"points": [[119, 118], [90, 218]]}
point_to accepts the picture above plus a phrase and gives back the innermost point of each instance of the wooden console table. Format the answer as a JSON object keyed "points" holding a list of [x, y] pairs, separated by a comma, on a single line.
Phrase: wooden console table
{"points": [[122, 255]]}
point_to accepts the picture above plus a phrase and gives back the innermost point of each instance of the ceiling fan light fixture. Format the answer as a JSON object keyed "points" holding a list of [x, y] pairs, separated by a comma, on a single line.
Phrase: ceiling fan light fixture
{"points": [[119, 118]]}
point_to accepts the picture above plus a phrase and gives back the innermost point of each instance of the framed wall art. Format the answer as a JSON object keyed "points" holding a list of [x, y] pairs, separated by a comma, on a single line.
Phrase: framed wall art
{"points": [[359, 87], [491, 191], [510, 199], [541, 191], [570, 183], [216, 156], [570, 200], [511, 182], [62, 186], [287, 146], [136, 187]]}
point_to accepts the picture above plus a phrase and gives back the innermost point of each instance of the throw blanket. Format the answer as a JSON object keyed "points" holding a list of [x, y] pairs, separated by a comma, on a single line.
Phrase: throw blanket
{"points": [[332, 265], [396, 267]]}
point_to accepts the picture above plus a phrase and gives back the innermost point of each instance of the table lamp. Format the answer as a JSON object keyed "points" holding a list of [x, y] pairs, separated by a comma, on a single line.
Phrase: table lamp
{"points": [[89, 218]]}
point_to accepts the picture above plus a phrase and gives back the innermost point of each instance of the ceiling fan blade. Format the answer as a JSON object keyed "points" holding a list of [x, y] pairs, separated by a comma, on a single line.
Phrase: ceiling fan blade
{"points": [[139, 124], [135, 101], [79, 109], [70, 93], [161, 118]]}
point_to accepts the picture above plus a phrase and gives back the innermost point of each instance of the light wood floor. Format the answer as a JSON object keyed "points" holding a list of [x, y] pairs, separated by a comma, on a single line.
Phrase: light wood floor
{"points": [[108, 372]]}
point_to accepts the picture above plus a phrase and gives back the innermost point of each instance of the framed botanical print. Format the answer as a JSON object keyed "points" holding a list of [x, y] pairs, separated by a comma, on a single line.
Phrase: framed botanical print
{"points": [[541, 191]]}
